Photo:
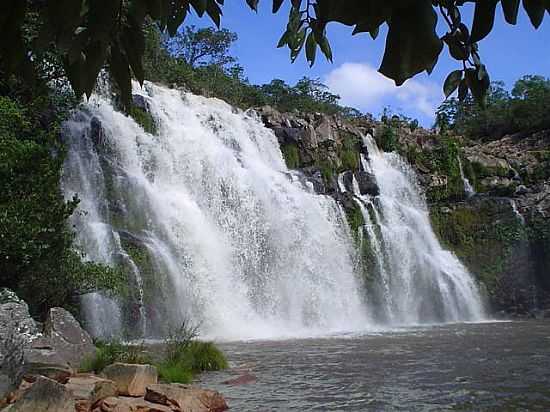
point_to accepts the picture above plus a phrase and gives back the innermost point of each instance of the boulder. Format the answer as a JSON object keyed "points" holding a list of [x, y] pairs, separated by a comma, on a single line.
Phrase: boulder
{"points": [[42, 362], [45, 395], [67, 337], [120, 404], [91, 388], [367, 183], [186, 398], [15, 395], [17, 332], [17, 328], [131, 380], [5, 385]]}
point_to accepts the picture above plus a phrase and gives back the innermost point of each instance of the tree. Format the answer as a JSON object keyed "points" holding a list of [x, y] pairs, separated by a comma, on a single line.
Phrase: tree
{"points": [[37, 258], [202, 47], [531, 87], [89, 33]]}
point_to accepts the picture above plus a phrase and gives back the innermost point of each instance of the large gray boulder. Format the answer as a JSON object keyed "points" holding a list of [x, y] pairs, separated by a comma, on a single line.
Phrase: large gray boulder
{"points": [[17, 328], [67, 338], [40, 360], [26, 352], [45, 395], [17, 332]]}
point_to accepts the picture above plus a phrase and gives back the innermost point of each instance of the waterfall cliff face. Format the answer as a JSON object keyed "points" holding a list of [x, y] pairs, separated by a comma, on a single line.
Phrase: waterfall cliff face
{"points": [[211, 226], [418, 280], [210, 223]]}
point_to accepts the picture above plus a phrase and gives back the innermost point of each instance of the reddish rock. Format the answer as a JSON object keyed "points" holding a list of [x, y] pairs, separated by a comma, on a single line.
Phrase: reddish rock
{"points": [[130, 379], [186, 398], [244, 379]]}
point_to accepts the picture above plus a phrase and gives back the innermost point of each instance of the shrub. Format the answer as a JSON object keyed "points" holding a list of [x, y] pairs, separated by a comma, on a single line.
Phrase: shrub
{"points": [[185, 356], [37, 255], [110, 352], [291, 155]]}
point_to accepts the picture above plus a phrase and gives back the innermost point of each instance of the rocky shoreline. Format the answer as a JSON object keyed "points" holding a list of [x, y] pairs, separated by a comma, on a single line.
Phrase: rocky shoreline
{"points": [[39, 371]]}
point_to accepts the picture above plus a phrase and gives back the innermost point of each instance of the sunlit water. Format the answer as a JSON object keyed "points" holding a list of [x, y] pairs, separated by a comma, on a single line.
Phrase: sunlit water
{"points": [[503, 366], [213, 227]]}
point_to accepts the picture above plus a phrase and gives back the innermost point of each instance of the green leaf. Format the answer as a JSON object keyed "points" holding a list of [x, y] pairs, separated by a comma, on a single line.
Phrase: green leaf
{"points": [[277, 5], [325, 48], [451, 82], [535, 10], [214, 11], [479, 87], [462, 90], [102, 18], [199, 6], [253, 4], [412, 45], [284, 39], [511, 9], [311, 49], [64, 15], [484, 19], [118, 67], [95, 53], [133, 41], [176, 17], [457, 49]]}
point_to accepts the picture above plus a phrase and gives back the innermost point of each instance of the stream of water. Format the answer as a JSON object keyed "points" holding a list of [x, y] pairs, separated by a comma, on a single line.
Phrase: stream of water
{"points": [[501, 366]]}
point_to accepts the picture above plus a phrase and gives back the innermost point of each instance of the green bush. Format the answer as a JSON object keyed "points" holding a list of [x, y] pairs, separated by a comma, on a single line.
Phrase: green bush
{"points": [[143, 118], [173, 372], [522, 110], [185, 356], [291, 155], [388, 140], [111, 352], [37, 257]]}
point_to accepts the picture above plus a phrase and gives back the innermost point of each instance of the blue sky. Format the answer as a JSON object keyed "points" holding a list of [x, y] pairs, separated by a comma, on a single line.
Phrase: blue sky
{"points": [[509, 52]]}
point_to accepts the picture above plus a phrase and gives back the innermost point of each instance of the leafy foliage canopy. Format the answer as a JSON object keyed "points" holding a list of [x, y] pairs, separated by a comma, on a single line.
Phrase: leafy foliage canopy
{"points": [[89, 33]]}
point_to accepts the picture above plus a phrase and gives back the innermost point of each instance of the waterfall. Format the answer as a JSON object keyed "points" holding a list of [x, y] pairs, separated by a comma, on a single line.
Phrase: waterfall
{"points": [[468, 188], [209, 222], [210, 226], [418, 280]]}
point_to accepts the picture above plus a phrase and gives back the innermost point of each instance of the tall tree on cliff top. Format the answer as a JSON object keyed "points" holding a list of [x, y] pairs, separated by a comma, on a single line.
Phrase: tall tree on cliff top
{"points": [[91, 33]]}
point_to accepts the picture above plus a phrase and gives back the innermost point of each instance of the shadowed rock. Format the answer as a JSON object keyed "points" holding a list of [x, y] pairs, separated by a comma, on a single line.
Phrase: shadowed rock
{"points": [[45, 395]]}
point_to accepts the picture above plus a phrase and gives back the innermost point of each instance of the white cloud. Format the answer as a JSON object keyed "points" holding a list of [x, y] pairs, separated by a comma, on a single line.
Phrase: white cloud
{"points": [[360, 85]]}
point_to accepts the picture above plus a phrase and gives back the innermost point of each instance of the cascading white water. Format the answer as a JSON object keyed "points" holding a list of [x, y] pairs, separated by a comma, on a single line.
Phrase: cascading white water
{"points": [[419, 281], [468, 188], [214, 224]]}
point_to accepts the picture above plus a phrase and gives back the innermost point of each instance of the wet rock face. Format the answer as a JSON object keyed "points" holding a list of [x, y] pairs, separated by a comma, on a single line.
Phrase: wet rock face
{"points": [[367, 183]]}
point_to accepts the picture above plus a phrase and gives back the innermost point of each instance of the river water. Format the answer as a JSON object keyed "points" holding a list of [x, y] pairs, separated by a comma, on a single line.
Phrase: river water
{"points": [[500, 366]]}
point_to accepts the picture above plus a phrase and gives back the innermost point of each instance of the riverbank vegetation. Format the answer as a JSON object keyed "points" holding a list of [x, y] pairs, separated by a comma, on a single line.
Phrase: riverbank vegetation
{"points": [[178, 359], [524, 109]]}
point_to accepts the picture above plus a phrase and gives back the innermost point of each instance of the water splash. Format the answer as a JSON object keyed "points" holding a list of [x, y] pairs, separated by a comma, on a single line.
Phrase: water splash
{"points": [[213, 227], [468, 188], [217, 228]]}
